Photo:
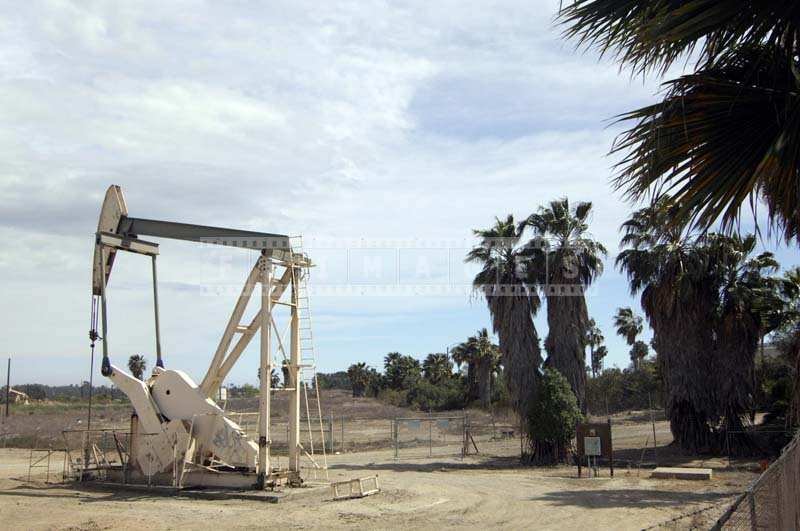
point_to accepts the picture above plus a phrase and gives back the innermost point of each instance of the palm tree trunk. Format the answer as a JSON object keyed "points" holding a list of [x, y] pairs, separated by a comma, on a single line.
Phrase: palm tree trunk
{"points": [[567, 319], [519, 345], [685, 346], [736, 351]]}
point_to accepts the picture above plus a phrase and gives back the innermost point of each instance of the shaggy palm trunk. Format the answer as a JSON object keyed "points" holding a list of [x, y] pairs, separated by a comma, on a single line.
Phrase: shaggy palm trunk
{"points": [[683, 333], [736, 351], [567, 321], [485, 381], [519, 346]]}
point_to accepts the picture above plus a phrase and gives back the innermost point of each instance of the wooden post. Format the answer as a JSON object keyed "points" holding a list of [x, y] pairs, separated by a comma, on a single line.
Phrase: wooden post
{"points": [[611, 450], [653, 422], [8, 385], [396, 438], [430, 433], [578, 445], [341, 441]]}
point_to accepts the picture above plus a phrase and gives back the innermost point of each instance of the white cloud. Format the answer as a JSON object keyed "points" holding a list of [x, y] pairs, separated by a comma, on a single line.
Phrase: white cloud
{"points": [[347, 119]]}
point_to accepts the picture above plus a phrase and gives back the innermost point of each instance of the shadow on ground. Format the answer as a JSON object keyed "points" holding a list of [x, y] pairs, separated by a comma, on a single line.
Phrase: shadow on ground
{"points": [[499, 463], [633, 498]]}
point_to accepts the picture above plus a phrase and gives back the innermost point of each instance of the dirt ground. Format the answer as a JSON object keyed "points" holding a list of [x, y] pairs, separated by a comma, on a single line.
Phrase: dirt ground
{"points": [[416, 494], [418, 491]]}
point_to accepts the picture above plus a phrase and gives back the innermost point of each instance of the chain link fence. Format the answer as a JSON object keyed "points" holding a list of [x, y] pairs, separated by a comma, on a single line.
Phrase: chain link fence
{"points": [[407, 437], [773, 500]]}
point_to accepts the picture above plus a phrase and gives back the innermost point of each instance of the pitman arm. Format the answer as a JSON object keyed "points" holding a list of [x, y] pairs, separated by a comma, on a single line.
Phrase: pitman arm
{"points": [[139, 395]]}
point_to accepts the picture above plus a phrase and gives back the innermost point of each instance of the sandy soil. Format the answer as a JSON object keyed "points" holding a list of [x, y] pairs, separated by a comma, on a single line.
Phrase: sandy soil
{"points": [[416, 494]]}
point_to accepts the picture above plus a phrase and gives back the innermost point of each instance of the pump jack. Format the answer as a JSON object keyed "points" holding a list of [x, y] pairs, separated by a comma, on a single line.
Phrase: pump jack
{"points": [[177, 422]]}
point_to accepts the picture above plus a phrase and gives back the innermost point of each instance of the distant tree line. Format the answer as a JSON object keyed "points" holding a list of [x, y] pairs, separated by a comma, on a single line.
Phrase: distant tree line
{"points": [[66, 393]]}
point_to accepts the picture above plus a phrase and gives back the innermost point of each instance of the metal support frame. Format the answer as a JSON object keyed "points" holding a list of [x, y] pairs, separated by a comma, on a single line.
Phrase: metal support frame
{"points": [[266, 373]]}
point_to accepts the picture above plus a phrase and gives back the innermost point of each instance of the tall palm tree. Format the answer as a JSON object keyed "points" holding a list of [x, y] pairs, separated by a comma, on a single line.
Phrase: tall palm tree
{"points": [[572, 261], [597, 360], [678, 296], [747, 298], [727, 132], [437, 368], [137, 365], [513, 302], [628, 324]]}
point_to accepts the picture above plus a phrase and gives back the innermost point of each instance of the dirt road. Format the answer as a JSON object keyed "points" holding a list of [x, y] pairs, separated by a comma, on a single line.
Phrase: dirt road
{"points": [[417, 494]]}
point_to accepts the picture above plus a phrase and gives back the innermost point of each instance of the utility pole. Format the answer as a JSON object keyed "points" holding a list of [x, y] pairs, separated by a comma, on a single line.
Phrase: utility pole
{"points": [[8, 385]]}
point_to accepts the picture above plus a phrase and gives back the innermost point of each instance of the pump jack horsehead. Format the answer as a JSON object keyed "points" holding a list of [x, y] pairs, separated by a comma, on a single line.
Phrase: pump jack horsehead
{"points": [[177, 422]]}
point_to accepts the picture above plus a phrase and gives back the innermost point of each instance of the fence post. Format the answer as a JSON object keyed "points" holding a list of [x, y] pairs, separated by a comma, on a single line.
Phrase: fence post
{"points": [[464, 434], [430, 433], [396, 432], [341, 442], [330, 433]]}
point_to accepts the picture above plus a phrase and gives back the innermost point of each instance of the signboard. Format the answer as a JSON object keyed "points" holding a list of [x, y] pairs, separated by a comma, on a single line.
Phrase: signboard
{"points": [[594, 441], [591, 446]]}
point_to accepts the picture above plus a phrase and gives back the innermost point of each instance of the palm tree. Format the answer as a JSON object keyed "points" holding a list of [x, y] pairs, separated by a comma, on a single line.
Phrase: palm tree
{"points": [[572, 261], [137, 365], [724, 134], [597, 360], [678, 296], [748, 297], [628, 324], [437, 368], [359, 375], [487, 356], [594, 338], [464, 354], [513, 302], [639, 351]]}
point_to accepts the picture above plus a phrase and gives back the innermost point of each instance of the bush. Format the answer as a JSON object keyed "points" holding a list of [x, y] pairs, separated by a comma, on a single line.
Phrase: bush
{"points": [[394, 397], [774, 381], [615, 390], [446, 395], [552, 418]]}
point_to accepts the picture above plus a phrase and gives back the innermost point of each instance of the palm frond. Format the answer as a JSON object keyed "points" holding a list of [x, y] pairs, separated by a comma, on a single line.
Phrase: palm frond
{"points": [[653, 34], [720, 138]]}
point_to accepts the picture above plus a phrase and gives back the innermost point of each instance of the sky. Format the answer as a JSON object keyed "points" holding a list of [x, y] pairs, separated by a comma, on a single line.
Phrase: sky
{"points": [[382, 132]]}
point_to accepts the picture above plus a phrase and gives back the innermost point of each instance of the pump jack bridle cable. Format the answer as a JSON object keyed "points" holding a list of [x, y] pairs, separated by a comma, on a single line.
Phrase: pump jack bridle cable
{"points": [[93, 337]]}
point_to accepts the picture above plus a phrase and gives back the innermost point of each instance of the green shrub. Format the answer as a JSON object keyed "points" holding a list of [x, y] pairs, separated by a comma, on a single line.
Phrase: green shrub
{"points": [[427, 396], [394, 397], [552, 418], [616, 390]]}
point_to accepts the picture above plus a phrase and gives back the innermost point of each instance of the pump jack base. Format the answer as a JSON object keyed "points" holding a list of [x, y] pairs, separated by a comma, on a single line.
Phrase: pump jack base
{"points": [[204, 478]]}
